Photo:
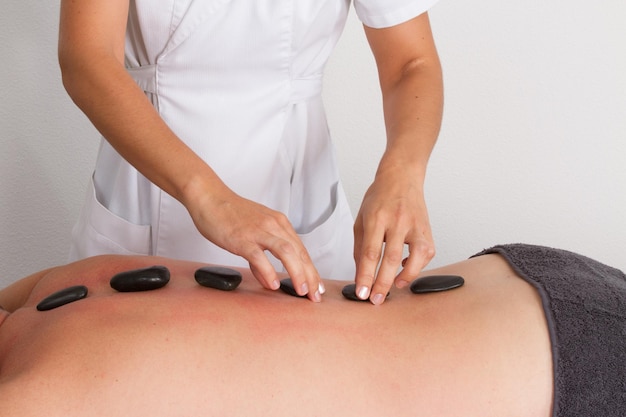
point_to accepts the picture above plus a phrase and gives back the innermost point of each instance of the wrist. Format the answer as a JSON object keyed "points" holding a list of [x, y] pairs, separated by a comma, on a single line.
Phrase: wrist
{"points": [[202, 190], [402, 165]]}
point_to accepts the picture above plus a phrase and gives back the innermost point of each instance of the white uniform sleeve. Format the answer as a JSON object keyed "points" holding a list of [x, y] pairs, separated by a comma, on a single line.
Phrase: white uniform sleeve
{"points": [[385, 13]]}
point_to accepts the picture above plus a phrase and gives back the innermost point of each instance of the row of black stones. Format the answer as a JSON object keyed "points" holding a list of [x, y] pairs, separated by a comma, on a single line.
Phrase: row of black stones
{"points": [[146, 279], [155, 277], [224, 279], [428, 284], [432, 283]]}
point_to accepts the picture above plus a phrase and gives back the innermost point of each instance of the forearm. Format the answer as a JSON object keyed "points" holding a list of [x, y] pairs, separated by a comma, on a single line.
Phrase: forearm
{"points": [[393, 211], [411, 83], [413, 106]]}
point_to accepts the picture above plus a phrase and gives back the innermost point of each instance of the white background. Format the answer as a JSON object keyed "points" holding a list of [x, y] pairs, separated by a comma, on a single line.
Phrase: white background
{"points": [[532, 149]]}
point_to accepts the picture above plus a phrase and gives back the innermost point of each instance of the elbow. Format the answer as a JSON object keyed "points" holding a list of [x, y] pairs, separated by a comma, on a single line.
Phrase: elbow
{"points": [[420, 66], [421, 69], [77, 69], [82, 73], [69, 73]]}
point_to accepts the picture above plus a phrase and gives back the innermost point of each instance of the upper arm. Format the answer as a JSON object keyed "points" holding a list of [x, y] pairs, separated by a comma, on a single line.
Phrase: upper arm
{"points": [[91, 27], [402, 47]]}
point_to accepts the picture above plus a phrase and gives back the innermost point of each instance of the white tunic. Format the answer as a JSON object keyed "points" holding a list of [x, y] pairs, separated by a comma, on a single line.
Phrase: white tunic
{"points": [[239, 81]]}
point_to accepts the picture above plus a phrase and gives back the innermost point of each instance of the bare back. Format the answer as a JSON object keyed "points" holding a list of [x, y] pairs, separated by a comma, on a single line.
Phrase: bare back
{"points": [[480, 350]]}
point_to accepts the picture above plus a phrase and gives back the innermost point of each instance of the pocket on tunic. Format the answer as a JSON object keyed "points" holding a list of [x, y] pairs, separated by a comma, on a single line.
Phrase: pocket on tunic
{"points": [[331, 243], [99, 231]]}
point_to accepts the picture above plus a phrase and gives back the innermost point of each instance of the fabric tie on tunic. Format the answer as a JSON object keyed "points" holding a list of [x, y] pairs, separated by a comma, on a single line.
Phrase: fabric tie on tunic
{"points": [[302, 89]]}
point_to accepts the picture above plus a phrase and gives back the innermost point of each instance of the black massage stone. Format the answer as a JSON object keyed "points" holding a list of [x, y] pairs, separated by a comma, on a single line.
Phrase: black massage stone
{"points": [[144, 279], [349, 291], [218, 277], [436, 283], [65, 296], [287, 286]]}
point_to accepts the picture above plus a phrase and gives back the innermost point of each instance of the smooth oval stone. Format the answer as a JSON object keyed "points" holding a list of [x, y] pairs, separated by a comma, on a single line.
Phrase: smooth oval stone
{"points": [[144, 279], [435, 283], [60, 298], [349, 291], [218, 277], [287, 286]]}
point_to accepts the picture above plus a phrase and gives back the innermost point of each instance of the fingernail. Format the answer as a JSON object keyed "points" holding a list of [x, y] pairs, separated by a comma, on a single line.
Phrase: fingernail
{"points": [[275, 284], [305, 288], [401, 283], [317, 297], [321, 288], [362, 294], [378, 299]]}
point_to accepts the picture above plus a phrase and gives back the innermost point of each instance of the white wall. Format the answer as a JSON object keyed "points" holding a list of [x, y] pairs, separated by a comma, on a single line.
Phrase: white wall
{"points": [[533, 144]]}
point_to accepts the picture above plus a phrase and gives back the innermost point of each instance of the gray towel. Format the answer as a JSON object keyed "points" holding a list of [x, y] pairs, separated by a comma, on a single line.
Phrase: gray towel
{"points": [[585, 306]]}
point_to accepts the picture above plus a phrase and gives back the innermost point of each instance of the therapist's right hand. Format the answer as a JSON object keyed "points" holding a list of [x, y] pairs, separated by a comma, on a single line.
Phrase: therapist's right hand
{"points": [[248, 229]]}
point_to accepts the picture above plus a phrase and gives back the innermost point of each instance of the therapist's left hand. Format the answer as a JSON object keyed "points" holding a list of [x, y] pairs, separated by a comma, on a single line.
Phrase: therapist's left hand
{"points": [[393, 213]]}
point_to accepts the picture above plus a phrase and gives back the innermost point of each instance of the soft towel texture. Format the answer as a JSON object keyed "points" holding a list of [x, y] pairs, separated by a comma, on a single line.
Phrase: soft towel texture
{"points": [[585, 306]]}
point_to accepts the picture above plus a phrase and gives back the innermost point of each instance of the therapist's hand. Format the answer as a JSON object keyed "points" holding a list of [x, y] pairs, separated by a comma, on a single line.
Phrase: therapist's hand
{"points": [[394, 212], [248, 229]]}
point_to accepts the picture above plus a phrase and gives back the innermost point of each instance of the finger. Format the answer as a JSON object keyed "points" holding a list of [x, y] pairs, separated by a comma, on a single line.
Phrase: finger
{"points": [[303, 274], [358, 245], [262, 268], [358, 237], [280, 239], [421, 252], [293, 255], [367, 261], [389, 265]]}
